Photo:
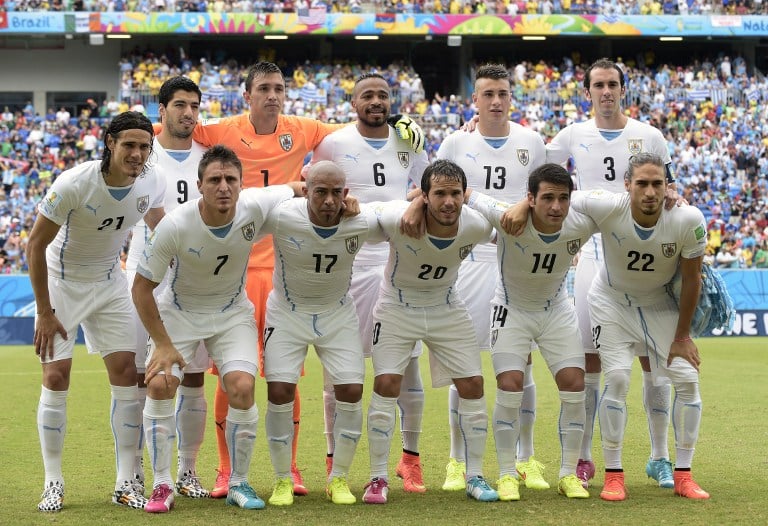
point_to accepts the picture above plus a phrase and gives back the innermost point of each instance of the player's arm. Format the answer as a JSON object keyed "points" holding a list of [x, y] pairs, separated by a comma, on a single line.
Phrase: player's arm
{"points": [[47, 325], [514, 219], [682, 345], [413, 223], [153, 217]]}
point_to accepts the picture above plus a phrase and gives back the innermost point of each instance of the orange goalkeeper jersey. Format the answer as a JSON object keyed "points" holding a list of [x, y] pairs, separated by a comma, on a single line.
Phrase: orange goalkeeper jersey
{"points": [[271, 159]]}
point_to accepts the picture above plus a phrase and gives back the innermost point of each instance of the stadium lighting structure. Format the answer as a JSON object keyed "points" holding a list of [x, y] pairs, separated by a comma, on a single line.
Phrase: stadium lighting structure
{"points": [[534, 37], [366, 37], [275, 37], [124, 37], [671, 39]]}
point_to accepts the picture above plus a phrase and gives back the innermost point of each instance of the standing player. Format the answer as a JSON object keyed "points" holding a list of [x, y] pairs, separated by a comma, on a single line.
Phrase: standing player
{"points": [[310, 305], [497, 159], [631, 311], [76, 277], [205, 243], [272, 148], [378, 166], [418, 301], [176, 157], [601, 148], [531, 303]]}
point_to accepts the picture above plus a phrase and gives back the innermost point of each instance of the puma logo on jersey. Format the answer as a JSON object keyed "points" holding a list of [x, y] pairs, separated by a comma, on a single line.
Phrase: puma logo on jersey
{"points": [[198, 253], [353, 158], [92, 209], [585, 146], [473, 156], [414, 250], [247, 143], [297, 242], [617, 238], [521, 247]]}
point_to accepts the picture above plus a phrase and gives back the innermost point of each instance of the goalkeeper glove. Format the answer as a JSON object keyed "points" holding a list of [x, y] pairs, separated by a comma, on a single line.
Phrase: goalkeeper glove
{"points": [[408, 130]]}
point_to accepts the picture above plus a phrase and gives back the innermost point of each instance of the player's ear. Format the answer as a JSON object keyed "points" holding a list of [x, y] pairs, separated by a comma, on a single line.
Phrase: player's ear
{"points": [[345, 192], [531, 199]]}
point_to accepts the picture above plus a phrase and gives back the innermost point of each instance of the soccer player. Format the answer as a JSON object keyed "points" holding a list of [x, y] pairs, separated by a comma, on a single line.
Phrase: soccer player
{"points": [[497, 159], [76, 278], [206, 244], [272, 148], [418, 301], [310, 305], [631, 312], [601, 148], [378, 166], [175, 159], [531, 303]]}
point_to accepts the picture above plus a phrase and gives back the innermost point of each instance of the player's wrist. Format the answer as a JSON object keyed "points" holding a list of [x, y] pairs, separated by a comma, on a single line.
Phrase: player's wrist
{"points": [[682, 339]]}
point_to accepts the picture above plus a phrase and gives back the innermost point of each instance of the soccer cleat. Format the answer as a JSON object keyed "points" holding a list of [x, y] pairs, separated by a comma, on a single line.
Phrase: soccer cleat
{"points": [[338, 491], [282, 495], [161, 500], [189, 486], [328, 465], [585, 471], [508, 488], [660, 471], [686, 487], [376, 491], [613, 488], [128, 496], [571, 487], [531, 472], [138, 483], [52, 498], [455, 473], [409, 469], [478, 489], [298, 482], [221, 486], [244, 496]]}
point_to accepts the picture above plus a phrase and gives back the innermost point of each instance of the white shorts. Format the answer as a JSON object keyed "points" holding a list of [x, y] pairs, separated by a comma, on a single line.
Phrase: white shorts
{"points": [[364, 289], [477, 286], [555, 331], [103, 309], [622, 332], [230, 337], [334, 334], [447, 330], [586, 270], [200, 363]]}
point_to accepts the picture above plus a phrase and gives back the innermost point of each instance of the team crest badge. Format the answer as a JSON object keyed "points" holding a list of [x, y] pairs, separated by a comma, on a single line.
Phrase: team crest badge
{"points": [[142, 203], [249, 231], [573, 246], [352, 244], [523, 156], [403, 158], [669, 249], [494, 337], [464, 251], [286, 142], [635, 146]]}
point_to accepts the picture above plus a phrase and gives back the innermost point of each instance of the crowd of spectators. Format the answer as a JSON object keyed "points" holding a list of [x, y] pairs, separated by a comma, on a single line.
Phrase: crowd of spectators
{"points": [[713, 114], [508, 7]]}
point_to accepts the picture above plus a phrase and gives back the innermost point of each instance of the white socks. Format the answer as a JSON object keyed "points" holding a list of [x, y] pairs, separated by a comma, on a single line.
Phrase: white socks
{"points": [[159, 430], [51, 427], [241, 435]]}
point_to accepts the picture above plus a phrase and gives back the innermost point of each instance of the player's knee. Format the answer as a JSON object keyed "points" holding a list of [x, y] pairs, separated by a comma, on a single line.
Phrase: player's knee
{"points": [[617, 384], [350, 393], [570, 379], [56, 376], [239, 387], [162, 387], [280, 393], [510, 381], [387, 385], [193, 380], [470, 388], [592, 363]]}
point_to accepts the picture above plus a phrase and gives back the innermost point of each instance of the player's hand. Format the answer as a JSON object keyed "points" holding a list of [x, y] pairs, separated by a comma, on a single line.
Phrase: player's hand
{"points": [[470, 125], [350, 206], [672, 199], [687, 350], [407, 129], [514, 219], [47, 325], [414, 223], [162, 360]]}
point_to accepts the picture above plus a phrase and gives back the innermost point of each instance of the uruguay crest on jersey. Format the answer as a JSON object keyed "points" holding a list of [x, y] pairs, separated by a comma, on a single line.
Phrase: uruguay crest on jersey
{"points": [[523, 156], [352, 244], [142, 203], [249, 231], [669, 249], [635, 146], [464, 251], [573, 246], [403, 158], [286, 141]]}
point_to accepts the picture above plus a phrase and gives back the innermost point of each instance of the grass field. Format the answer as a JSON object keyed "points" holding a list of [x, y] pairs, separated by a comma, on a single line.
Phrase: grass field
{"points": [[731, 460]]}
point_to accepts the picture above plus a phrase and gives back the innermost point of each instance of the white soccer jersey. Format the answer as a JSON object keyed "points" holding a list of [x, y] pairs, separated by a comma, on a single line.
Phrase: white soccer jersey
{"points": [[637, 270], [533, 266], [418, 272], [181, 186], [312, 272], [501, 172], [94, 222], [383, 174], [208, 272], [600, 163]]}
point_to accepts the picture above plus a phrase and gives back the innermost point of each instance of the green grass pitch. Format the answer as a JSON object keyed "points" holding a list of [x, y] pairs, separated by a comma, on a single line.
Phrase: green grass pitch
{"points": [[731, 461]]}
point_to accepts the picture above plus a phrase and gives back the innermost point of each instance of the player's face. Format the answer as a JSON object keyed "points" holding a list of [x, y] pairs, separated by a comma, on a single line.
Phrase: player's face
{"points": [[646, 190], [220, 187], [444, 201], [129, 152], [325, 197], [267, 95], [371, 101], [605, 91], [549, 207], [492, 98], [179, 117]]}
